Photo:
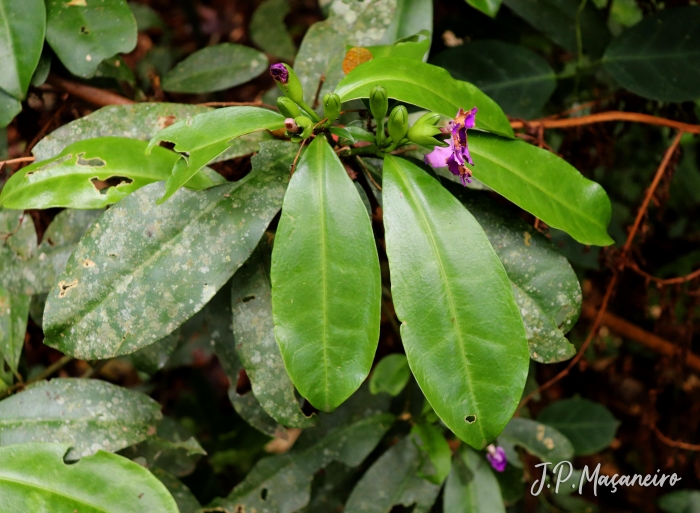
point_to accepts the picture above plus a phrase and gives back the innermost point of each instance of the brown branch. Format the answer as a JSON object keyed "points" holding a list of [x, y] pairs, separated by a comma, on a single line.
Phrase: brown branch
{"points": [[673, 443], [6, 235], [662, 281], [318, 92], [15, 161], [604, 117], [90, 94], [57, 365], [238, 104]]}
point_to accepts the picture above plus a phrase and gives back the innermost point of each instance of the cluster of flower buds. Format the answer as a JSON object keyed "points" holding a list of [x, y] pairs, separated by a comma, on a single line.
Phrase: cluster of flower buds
{"points": [[300, 118]]}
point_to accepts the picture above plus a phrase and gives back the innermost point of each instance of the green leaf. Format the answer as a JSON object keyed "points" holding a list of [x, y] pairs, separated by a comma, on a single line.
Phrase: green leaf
{"points": [[411, 17], [208, 135], [545, 185], [488, 7], [84, 33], [151, 359], [462, 331], [185, 499], [254, 332], [326, 284], [557, 19], [88, 414], [518, 79], [9, 108], [21, 38], [546, 288], [394, 479], [352, 133], [92, 174], [146, 17], [681, 501], [390, 375], [426, 86], [472, 486], [43, 68], [268, 31], [112, 298], [589, 426], [659, 58], [14, 312], [432, 441], [215, 68], [413, 47], [34, 477], [19, 239], [542, 441]]}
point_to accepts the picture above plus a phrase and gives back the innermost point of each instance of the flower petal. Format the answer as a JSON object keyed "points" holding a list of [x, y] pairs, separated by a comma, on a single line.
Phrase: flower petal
{"points": [[438, 157]]}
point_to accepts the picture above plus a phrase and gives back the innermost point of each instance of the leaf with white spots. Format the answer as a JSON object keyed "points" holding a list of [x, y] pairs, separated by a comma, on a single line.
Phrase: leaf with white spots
{"points": [[14, 312], [142, 269], [545, 442], [88, 414]]}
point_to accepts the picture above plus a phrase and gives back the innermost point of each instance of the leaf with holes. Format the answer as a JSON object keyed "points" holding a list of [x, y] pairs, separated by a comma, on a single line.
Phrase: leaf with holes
{"points": [[14, 312], [83, 33], [326, 285], [21, 38], [545, 442], [92, 174], [426, 86], [268, 31], [88, 414], [34, 477], [471, 486], [206, 136], [113, 299], [461, 328]]}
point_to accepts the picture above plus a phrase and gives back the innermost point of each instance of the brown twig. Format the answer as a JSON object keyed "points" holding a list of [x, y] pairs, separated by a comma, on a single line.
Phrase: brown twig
{"points": [[368, 173], [5, 236], [238, 104], [90, 94], [15, 161], [663, 438], [604, 117], [294, 164], [57, 365], [318, 92], [663, 281]]}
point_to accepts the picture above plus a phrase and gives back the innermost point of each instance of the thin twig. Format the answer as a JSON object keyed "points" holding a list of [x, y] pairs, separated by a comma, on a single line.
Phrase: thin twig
{"points": [[604, 117], [57, 365], [368, 173], [663, 281], [294, 164], [15, 161], [238, 104], [5, 236], [318, 91], [93, 95]]}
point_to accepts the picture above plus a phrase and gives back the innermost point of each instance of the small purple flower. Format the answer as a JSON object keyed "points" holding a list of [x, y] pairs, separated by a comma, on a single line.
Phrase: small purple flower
{"points": [[497, 457], [456, 155], [279, 73]]}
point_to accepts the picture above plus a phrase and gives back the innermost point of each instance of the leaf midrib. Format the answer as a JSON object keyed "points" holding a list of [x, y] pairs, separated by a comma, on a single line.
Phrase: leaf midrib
{"points": [[324, 276]]}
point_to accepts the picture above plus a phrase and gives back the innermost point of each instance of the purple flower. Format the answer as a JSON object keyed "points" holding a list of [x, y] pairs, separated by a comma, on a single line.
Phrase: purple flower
{"points": [[456, 155], [497, 457], [279, 73]]}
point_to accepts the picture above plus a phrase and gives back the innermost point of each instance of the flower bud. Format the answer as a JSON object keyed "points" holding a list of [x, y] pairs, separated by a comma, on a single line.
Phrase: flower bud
{"points": [[398, 124], [306, 124], [429, 118], [378, 102], [287, 107], [424, 134], [288, 82], [291, 125], [331, 107]]}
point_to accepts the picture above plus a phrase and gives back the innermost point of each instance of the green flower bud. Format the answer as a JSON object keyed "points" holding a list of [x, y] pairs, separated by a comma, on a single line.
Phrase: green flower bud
{"points": [[331, 107], [398, 124], [378, 102], [429, 118], [287, 107], [288, 82], [306, 124], [424, 134]]}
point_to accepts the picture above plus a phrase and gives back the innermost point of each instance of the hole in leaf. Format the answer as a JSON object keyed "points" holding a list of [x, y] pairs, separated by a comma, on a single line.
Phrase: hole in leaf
{"points": [[113, 181], [70, 457], [84, 30], [248, 298], [65, 287], [470, 419], [243, 383], [263, 494], [49, 165], [96, 162]]}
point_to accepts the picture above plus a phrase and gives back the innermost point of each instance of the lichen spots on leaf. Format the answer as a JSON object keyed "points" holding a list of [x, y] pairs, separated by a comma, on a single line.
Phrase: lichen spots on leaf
{"points": [[470, 419], [88, 263], [64, 287], [113, 181], [77, 3], [165, 121], [93, 162], [527, 238]]}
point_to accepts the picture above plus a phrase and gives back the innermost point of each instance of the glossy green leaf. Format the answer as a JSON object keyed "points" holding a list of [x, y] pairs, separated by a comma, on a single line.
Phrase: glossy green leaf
{"points": [[545, 185], [37, 274], [92, 174], [518, 79], [268, 31], [659, 58], [488, 7], [394, 479], [414, 47], [215, 68], [589, 426], [681, 501], [88, 414], [411, 17], [546, 288], [184, 498], [326, 285], [208, 135], [9, 108], [21, 39], [34, 477], [352, 133], [14, 312], [472, 486], [349, 23], [557, 19], [461, 329], [84, 33], [113, 299], [426, 86], [545, 442], [254, 332], [390, 375], [432, 441]]}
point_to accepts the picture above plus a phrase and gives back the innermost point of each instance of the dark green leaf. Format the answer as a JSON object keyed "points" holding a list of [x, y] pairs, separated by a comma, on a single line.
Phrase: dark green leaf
{"points": [[411, 17], [215, 68], [488, 7], [472, 486], [151, 359], [462, 331], [426, 86], [14, 312], [208, 135], [590, 427], [88, 414], [268, 31], [9, 108], [432, 441], [34, 477], [518, 79], [326, 285], [681, 501], [21, 40], [185, 499], [146, 17], [390, 375], [545, 442], [112, 298], [41, 73], [93, 174], [659, 58], [84, 33]]}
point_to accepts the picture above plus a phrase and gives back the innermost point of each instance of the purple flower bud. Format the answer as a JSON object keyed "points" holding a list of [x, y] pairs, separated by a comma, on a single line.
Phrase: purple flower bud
{"points": [[291, 125], [279, 73], [497, 457]]}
